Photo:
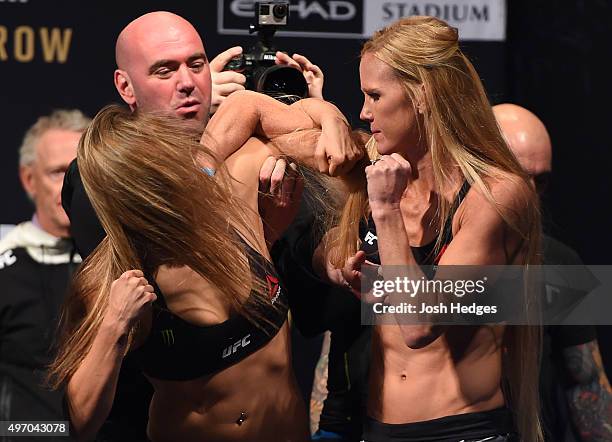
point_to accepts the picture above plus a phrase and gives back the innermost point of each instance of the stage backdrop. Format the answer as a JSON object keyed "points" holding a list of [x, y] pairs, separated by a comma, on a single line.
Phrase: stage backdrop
{"points": [[60, 54]]}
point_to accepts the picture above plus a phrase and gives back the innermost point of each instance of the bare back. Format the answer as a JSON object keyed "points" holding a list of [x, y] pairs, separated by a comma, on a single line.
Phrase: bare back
{"points": [[255, 399]]}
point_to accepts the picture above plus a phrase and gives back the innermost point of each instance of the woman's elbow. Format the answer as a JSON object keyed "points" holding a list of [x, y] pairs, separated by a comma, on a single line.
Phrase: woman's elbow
{"points": [[79, 428], [83, 423]]}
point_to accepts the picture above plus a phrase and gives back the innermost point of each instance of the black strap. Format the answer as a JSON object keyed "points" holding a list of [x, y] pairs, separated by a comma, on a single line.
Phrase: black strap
{"points": [[448, 224]]}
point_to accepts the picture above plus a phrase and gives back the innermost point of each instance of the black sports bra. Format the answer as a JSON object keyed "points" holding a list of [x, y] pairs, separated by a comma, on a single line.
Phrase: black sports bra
{"points": [[424, 255], [178, 350]]}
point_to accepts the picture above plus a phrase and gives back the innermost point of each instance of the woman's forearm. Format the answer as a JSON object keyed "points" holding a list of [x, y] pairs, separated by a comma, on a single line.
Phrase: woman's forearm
{"points": [[322, 113], [398, 262], [294, 129], [91, 390], [245, 114]]}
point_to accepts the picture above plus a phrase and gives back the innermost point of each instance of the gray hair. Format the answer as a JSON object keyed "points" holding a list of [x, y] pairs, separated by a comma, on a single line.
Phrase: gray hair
{"points": [[72, 120]]}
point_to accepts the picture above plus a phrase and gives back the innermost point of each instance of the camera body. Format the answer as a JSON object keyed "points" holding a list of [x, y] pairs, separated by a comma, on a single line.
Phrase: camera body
{"points": [[257, 64], [271, 13]]}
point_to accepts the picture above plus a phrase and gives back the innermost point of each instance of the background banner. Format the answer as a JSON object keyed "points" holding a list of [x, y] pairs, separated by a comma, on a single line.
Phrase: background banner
{"points": [[476, 20]]}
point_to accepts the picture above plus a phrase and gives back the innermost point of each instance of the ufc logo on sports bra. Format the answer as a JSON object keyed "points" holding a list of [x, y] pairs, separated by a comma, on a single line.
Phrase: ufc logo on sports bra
{"points": [[228, 351], [370, 238]]}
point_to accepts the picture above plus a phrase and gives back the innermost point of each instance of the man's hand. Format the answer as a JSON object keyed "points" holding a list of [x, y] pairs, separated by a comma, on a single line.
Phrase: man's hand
{"points": [[312, 73], [280, 187], [224, 83]]}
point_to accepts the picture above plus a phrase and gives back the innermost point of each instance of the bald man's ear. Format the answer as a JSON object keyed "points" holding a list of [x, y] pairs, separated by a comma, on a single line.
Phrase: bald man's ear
{"points": [[124, 87]]}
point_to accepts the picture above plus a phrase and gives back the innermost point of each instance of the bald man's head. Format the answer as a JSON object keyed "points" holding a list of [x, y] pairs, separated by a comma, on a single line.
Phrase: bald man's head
{"points": [[526, 136], [162, 67], [134, 35]]}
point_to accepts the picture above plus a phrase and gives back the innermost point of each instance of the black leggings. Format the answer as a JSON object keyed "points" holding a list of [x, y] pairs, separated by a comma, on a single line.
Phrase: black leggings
{"points": [[488, 426]]}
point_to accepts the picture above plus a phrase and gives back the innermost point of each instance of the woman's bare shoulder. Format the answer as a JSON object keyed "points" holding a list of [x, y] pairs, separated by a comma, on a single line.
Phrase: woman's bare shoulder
{"points": [[508, 194]]}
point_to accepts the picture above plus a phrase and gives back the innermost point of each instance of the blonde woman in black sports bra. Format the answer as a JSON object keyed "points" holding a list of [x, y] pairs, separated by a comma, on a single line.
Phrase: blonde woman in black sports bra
{"points": [[433, 131]]}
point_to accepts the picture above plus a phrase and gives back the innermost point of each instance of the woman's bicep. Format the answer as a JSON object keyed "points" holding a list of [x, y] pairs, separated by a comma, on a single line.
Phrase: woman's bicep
{"points": [[245, 114]]}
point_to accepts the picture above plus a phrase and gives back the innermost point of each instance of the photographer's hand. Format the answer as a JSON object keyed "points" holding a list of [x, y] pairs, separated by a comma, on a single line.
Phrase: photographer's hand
{"points": [[312, 73], [224, 83]]}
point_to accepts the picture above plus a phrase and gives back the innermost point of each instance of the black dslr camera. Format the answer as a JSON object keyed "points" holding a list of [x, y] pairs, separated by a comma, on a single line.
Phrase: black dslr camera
{"points": [[257, 65]]}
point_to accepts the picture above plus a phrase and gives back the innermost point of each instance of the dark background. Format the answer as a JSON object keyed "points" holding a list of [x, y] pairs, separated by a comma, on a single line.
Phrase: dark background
{"points": [[553, 62]]}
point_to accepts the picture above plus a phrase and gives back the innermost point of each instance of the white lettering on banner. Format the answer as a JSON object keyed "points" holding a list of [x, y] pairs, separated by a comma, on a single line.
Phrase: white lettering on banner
{"points": [[240, 8], [338, 10], [456, 13], [475, 19], [302, 11], [341, 11]]}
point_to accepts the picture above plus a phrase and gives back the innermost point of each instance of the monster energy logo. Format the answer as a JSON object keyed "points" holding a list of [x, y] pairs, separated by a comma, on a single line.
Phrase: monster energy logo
{"points": [[168, 336]]}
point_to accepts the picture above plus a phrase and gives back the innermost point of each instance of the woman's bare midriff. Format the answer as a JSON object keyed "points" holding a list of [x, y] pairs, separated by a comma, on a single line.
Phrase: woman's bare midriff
{"points": [[256, 399], [457, 373]]}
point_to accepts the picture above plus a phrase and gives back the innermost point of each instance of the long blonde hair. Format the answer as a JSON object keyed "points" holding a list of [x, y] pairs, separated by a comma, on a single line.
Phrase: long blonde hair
{"points": [[461, 134], [143, 175]]}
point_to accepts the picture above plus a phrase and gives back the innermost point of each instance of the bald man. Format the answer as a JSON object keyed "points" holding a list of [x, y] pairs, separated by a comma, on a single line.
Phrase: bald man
{"points": [[162, 66], [571, 367], [529, 140]]}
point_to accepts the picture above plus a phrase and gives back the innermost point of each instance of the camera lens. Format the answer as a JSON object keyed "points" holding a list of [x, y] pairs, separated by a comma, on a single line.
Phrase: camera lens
{"points": [[281, 80], [279, 11]]}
